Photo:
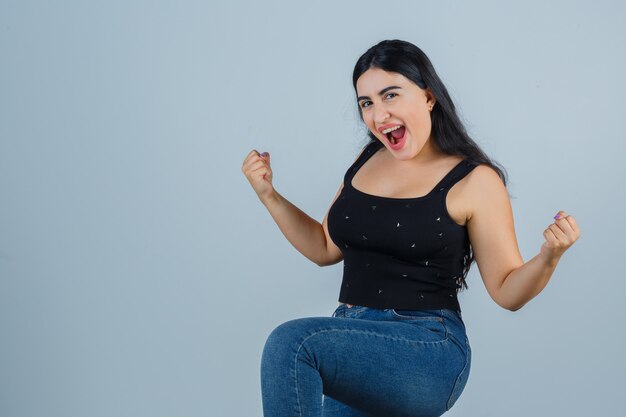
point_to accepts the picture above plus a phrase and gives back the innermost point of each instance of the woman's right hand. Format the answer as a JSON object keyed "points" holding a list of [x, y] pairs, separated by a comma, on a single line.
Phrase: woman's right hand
{"points": [[257, 170]]}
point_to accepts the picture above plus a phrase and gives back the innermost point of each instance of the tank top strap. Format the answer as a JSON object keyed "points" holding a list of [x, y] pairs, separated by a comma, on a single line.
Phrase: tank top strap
{"points": [[456, 174], [369, 150]]}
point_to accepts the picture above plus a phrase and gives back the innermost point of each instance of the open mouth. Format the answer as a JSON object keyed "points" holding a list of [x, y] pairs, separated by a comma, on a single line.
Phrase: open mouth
{"points": [[396, 135]]}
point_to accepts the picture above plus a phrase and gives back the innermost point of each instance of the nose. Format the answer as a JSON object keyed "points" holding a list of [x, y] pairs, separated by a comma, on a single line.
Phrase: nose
{"points": [[380, 115]]}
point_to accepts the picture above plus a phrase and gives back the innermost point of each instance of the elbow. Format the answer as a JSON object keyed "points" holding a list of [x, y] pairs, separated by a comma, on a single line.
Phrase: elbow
{"points": [[329, 260], [327, 263], [507, 305], [512, 308], [506, 300], [324, 262], [321, 262]]}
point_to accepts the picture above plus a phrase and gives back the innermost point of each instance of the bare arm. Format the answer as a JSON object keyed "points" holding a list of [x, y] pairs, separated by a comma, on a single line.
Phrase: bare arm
{"points": [[525, 282], [308, 236], [510, 282]]}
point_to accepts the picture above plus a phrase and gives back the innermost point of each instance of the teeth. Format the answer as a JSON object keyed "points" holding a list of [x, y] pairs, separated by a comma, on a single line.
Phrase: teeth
{"points": [[391, 129]]}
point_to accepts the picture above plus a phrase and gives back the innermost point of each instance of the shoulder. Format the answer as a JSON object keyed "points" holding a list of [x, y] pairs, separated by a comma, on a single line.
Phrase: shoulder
{"points": [[475, 177], [485, 188], [484, 176]]}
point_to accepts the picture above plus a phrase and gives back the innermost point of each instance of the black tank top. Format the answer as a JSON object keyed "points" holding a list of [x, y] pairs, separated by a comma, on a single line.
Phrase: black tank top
{"points": [[402, 253]]}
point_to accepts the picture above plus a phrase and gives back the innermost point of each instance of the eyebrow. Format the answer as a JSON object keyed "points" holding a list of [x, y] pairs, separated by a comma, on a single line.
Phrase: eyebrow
{"points": [[383, 91]]}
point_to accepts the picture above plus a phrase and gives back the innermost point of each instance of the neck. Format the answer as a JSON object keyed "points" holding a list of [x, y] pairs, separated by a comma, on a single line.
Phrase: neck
{"points": [[426, 156]]}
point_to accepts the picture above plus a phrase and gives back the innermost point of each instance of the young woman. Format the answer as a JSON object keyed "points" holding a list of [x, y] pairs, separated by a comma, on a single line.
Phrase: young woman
{"points": [[419, 204]]}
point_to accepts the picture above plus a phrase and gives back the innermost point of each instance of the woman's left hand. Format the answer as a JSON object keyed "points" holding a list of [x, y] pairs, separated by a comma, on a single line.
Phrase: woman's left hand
{"points": [[559, 236]]}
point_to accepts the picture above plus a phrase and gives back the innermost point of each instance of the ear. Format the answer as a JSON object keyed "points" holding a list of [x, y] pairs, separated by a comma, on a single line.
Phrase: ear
{"points": [[430, 97]]}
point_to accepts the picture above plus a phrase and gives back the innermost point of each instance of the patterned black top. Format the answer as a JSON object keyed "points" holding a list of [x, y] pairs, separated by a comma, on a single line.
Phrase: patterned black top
{"points": [[403, 253]]}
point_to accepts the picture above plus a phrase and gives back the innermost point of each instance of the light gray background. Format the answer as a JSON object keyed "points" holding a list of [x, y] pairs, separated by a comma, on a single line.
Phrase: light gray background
{"points": [[140, 275]]}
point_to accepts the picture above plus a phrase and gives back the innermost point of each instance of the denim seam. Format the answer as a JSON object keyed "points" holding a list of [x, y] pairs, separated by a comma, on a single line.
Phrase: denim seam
{"points": [[444, 323], [393, 311], [458, 378]]}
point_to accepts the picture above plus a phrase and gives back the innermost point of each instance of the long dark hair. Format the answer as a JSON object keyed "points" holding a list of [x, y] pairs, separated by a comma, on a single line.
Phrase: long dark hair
{"points": [[448, 131]]}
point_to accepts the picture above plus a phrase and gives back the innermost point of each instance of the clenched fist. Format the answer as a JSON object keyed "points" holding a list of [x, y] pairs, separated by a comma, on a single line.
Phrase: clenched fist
{"points": [[559, 236], [257, 170]]}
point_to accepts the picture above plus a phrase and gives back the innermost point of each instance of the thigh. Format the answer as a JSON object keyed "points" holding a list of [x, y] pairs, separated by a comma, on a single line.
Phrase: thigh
{"points": [[334, 408], [378, 364]]}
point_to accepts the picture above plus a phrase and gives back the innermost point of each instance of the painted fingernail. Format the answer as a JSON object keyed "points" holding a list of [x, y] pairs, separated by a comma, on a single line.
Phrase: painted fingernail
{"points": [[558, 216]]}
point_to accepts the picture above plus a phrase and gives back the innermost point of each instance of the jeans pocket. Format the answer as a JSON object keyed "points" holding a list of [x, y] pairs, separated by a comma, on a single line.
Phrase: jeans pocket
{"points": [[434, 315]]}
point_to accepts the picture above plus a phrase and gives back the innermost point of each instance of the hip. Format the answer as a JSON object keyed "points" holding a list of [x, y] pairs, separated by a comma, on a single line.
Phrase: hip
{"points": [[436, 325]]}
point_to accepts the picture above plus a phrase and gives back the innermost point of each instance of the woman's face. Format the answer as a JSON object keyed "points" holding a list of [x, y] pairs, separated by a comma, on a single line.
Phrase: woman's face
{"points": [[390, 100]]}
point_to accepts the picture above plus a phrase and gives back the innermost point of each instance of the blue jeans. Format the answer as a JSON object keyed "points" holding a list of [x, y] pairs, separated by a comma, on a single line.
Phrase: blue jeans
{"points": [[366, 362]]}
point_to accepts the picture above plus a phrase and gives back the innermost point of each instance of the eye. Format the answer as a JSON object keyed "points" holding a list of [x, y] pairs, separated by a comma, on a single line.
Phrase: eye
{"points": [[365, 104], [391, 94]]}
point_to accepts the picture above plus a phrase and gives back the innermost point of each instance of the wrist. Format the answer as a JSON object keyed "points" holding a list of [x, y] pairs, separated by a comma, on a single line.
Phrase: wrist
{"points": [[549, 260], [272, 198]]}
